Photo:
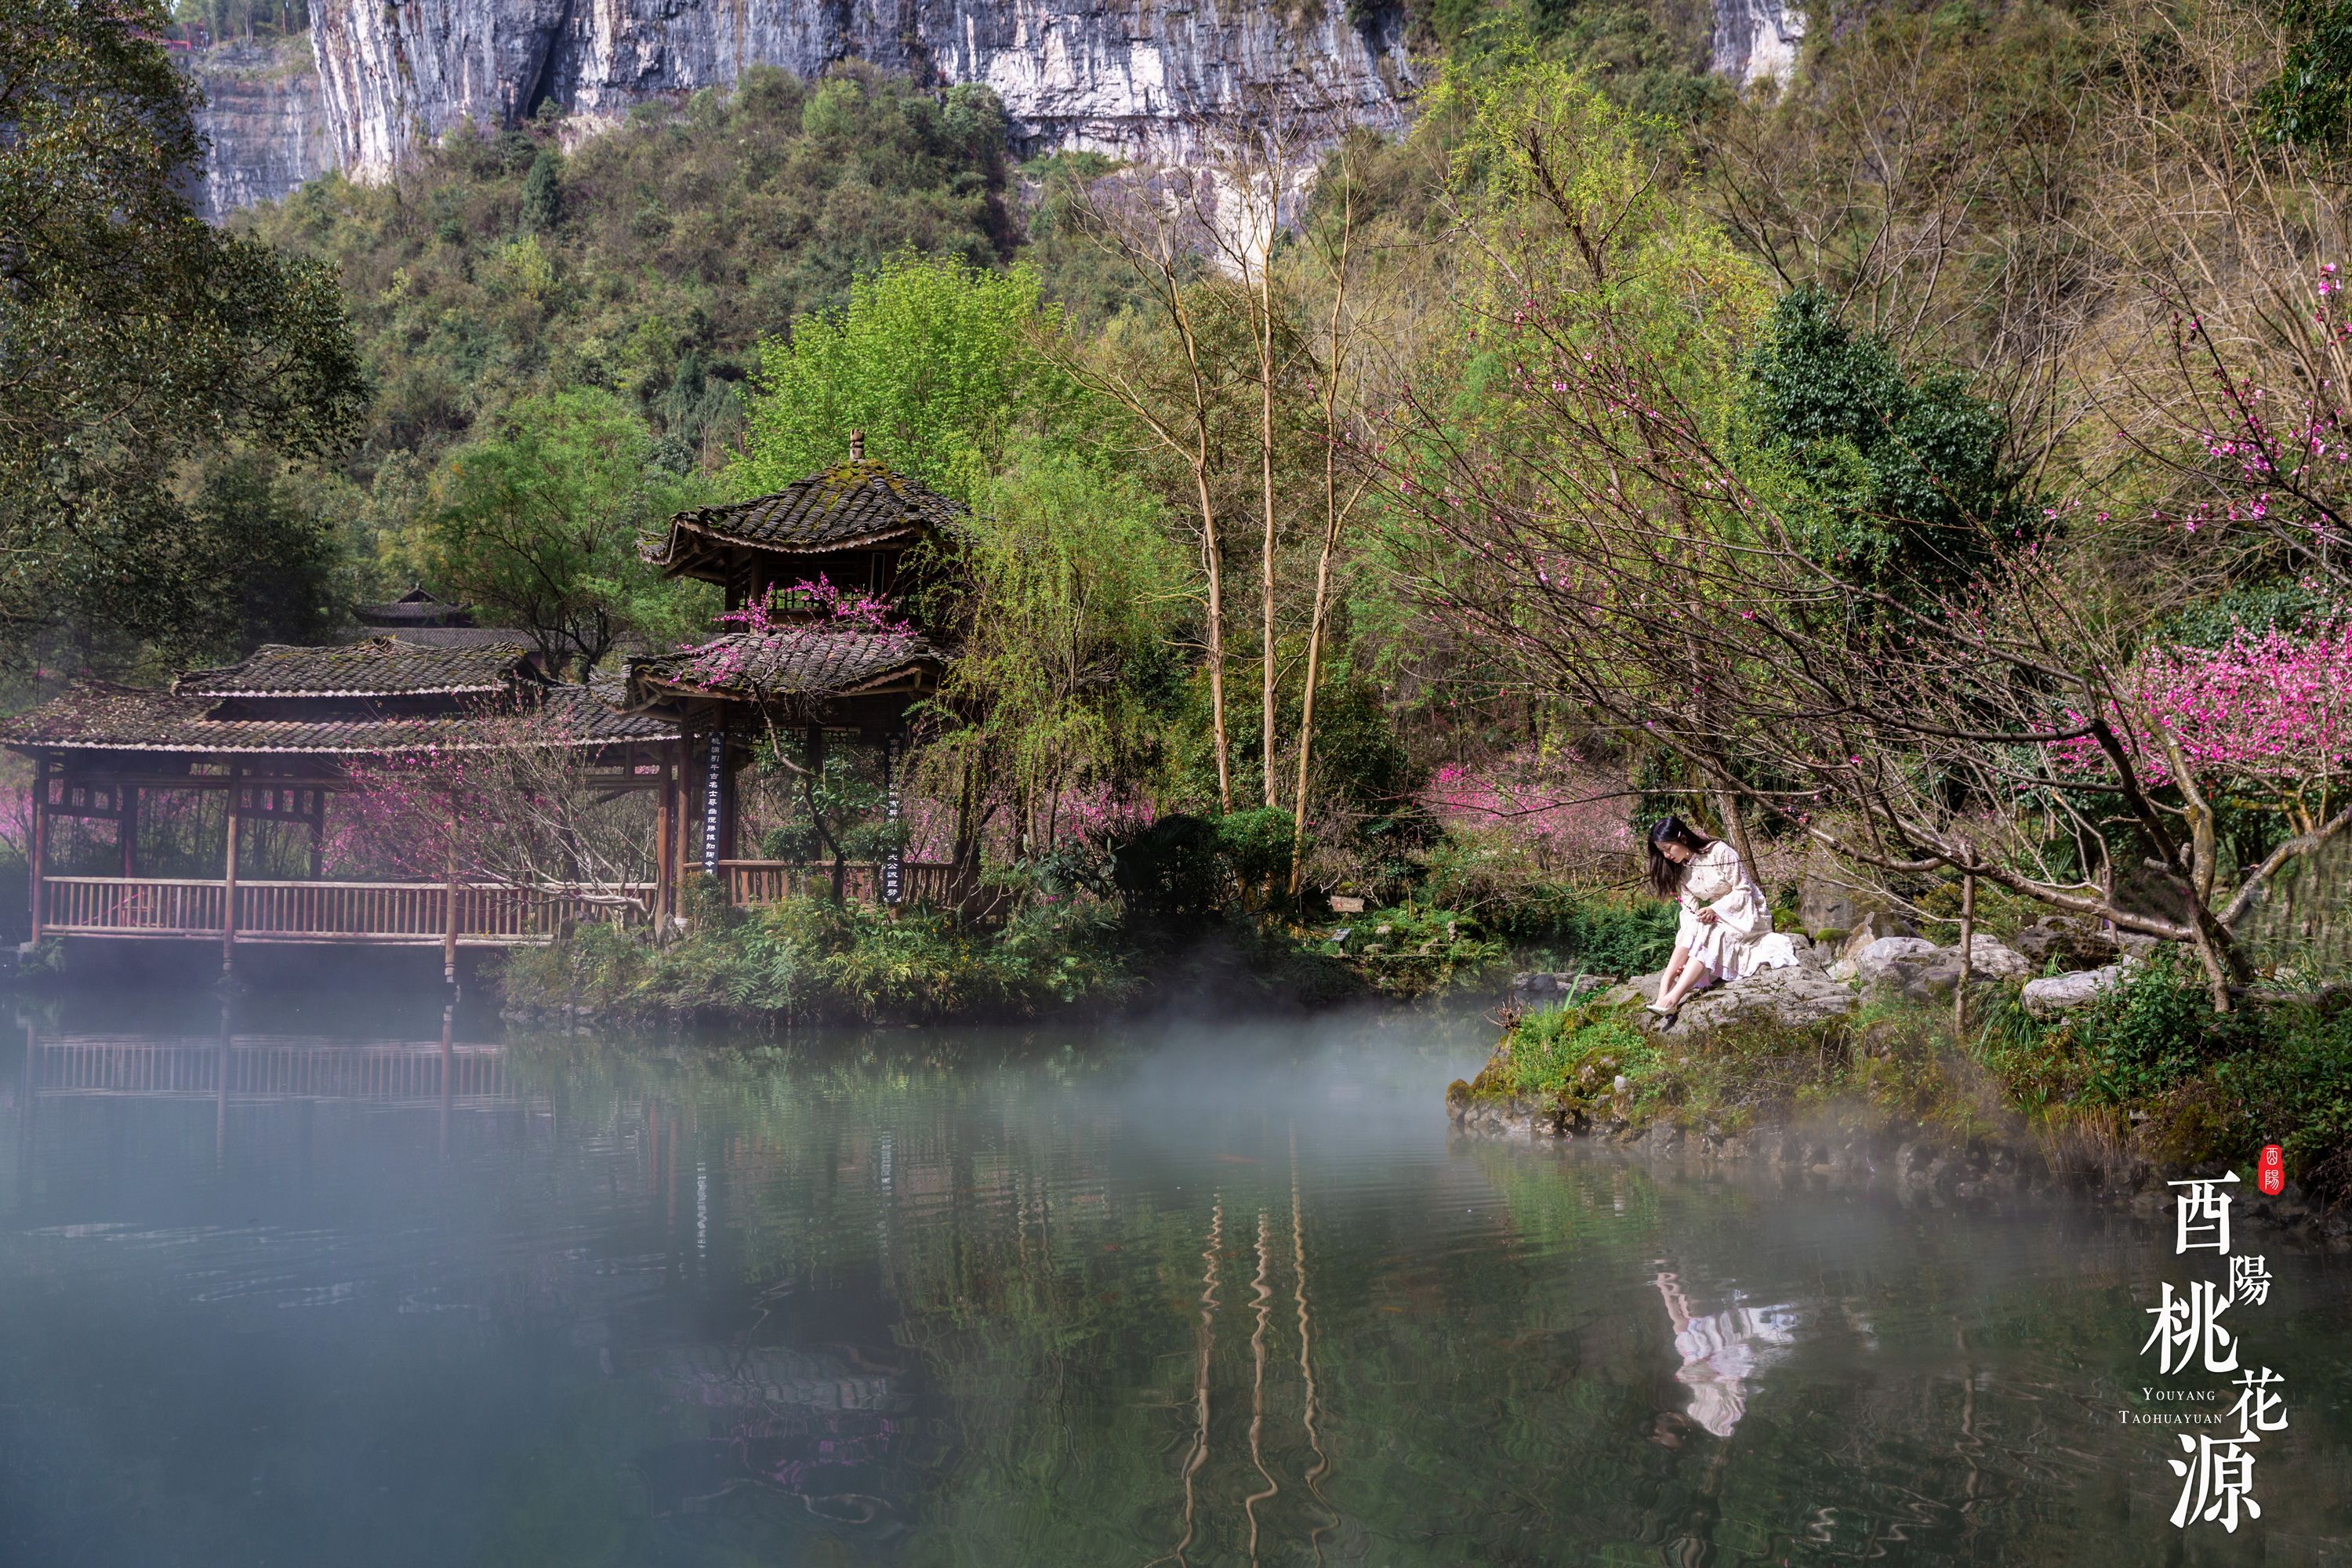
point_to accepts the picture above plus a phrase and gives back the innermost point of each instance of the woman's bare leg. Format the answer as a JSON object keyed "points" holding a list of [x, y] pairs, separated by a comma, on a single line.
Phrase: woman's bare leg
{"points": [[1695, 974]]}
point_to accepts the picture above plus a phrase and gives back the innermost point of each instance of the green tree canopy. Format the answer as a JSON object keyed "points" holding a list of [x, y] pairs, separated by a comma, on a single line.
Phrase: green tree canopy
{"points": [[1891, 477], [538, 525], [933, 360], [132, 336]]}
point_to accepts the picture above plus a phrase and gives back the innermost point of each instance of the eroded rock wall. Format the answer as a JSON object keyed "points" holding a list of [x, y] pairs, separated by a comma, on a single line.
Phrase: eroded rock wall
{"points": [[266, 119], [1755, 39], [1120, 76]]}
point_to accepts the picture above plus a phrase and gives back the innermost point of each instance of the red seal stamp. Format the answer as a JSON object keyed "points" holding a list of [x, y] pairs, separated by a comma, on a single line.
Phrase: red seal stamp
{"points": [[2270, 1174]]}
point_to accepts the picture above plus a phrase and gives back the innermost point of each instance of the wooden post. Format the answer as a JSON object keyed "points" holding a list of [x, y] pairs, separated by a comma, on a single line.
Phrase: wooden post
{"points": [[665, 849], [319, 836], [126, 828], [39, 854], [449, 918], [228, 876], [1968, 956]]}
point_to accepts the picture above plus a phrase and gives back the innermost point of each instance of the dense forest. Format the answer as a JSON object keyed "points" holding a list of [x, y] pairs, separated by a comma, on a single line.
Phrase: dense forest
{"points": [[1931, 467]]}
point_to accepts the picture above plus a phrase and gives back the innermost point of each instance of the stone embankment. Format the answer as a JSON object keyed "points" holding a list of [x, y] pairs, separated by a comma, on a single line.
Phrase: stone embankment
{"points": [[1873, 964], [1919, 1169]]}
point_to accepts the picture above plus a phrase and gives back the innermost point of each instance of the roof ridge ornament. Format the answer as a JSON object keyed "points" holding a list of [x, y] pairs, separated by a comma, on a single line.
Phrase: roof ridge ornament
{"points": [[857, 446]]}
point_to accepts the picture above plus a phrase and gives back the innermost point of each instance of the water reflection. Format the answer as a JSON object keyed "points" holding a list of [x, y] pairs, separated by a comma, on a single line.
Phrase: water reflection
{"points": [[1722, 1351], [380, 1287]]}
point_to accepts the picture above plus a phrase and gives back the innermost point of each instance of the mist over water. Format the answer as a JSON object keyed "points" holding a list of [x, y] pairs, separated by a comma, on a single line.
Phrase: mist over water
{"points": [[323, 1283]]}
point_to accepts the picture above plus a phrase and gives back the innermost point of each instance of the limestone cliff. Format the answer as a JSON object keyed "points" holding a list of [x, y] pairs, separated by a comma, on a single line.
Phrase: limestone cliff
{"points": [[1755, 39], [381, 77], [266, 119], [1120, 76]]}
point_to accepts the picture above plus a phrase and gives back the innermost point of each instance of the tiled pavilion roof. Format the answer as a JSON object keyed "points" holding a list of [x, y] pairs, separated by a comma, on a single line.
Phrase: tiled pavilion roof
{"points": [[376, 667], [329, 701], [94, 717], [413, 609], [792, 662], [855, 505]]}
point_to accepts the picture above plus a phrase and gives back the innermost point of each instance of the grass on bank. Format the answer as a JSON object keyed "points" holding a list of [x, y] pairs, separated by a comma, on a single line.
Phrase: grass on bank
{"points": [[2147, 1067], [806, 960]]}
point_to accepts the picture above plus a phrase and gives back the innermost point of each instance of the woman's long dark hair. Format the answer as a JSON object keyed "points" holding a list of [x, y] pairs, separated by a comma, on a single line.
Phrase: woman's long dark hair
{"points": [[1666, 877]]}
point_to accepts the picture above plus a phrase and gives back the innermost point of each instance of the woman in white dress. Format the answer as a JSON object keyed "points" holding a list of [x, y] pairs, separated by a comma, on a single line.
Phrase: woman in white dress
{"points": [[1725, 931]]}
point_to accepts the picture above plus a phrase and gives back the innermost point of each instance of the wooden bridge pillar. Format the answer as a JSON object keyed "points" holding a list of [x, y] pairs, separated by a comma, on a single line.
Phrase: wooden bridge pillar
{"points": [[37, 855], [127, 829], [228, 875], [665, 849]]}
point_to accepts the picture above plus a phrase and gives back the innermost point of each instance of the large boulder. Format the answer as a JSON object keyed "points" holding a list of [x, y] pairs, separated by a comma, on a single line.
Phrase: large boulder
{"points": [[1875, 926], [2065, 992], [1993, 958], [2070, 943], [1793, 993], [1912, 969], [1875, 961]]}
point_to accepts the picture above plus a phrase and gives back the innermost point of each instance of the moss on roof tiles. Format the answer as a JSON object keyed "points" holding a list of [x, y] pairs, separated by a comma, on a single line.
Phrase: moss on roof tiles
{"points": [[376, 667], [792, 662], [845, 506]]}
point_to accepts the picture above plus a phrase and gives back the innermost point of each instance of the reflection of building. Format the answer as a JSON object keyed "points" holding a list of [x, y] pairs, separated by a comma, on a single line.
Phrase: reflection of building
{"points": [[266, 1067], [1721, 1351]]}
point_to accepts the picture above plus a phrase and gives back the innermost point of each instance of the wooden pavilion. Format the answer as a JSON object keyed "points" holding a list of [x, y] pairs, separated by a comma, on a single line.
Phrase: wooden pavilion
{"points": [[861, 527], [278, 735]]}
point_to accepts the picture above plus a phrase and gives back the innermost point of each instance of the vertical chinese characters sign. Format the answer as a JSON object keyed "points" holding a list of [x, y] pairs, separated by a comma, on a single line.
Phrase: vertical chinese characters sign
{"points": [[894, 857], [714, 787], [2216, 1473]]}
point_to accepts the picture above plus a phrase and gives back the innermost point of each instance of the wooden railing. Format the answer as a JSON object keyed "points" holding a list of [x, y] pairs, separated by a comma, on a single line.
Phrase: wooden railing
{"points": [[769, 881], [131, 906], [489, 914]]}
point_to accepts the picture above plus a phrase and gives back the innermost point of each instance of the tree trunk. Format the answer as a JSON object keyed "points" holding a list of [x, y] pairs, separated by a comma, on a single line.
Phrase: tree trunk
{"points": [[1209, 555], [1968, 956], [1265, 491]]}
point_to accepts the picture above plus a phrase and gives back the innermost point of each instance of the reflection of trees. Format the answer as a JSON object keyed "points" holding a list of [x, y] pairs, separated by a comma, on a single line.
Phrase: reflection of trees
{"points": [[1090, 1384]]}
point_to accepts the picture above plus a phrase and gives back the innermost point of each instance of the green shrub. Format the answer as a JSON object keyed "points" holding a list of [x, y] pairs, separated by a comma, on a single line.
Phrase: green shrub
{"points": [[2152, 1032], [2293, 1088], [809, 959], [1602, 933], [1172, 873], [1256, 844], [1571, 1056]]}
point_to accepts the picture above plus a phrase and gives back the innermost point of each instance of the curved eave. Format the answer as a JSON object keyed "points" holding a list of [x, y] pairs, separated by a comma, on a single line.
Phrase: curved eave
{"points": [[646, 690], [666, 554]]}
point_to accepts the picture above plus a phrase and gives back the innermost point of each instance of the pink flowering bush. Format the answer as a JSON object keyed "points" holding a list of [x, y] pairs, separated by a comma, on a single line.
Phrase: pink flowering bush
{"points": [[1563, 815], [2269, 711], [809, 604]]}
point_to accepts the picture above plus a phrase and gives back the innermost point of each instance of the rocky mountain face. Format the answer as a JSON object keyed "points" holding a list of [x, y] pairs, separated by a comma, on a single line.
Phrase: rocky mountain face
{"points": [[1755, 40], [265, 118], [1127, 77], [1124, 77]]}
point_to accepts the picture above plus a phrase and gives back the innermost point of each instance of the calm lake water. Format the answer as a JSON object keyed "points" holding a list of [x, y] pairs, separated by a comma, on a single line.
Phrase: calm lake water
{"points": [[312, 1287]]}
